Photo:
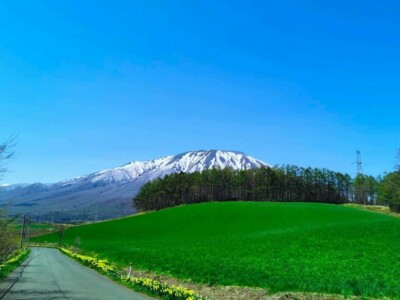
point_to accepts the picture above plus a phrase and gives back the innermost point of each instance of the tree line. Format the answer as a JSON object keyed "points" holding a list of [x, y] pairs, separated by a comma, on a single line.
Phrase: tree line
{"points": [[281, 183], [389, 188], [284, 183]]}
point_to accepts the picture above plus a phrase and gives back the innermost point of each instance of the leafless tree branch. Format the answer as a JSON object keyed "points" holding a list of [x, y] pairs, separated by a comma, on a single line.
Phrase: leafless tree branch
{"points": [[6, 153]]}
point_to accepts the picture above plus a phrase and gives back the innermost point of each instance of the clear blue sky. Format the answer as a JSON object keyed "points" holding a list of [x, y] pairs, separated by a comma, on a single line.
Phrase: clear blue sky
{"points": [[90, 85]]}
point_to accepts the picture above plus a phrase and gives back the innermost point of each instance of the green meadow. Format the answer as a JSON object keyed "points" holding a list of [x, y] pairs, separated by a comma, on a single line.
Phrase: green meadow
{"points": [[305, 247], [35, 229]]}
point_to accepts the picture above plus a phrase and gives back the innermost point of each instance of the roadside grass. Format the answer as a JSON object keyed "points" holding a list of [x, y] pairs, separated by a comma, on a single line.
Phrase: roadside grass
{"points": [[142, 284], [12, 262], [297, 247]]}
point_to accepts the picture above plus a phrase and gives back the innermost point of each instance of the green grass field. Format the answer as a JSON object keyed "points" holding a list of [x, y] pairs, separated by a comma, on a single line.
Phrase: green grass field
{"points": [[35, 229], [36, 226], [279, 246]]}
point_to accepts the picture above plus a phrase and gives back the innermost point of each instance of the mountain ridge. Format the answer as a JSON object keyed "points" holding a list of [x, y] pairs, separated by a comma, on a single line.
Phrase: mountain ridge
{"points": [[109, 193]]}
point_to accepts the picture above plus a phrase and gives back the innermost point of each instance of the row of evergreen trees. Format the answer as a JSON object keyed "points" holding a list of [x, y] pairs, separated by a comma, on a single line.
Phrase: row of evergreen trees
{"points": [[284, 183], [389, 188]]}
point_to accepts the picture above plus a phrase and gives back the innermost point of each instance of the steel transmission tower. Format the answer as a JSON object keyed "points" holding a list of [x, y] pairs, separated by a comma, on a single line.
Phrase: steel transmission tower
{"points": [[359, 163]]}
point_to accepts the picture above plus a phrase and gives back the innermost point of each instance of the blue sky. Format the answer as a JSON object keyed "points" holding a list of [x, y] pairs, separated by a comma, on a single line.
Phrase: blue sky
{"points": [[90, 85]]}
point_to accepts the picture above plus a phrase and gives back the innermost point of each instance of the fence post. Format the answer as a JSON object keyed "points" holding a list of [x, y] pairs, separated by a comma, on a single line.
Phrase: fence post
{"points": [[130, 270]]}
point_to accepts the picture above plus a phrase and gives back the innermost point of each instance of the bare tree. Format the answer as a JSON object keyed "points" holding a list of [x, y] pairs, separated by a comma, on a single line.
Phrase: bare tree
{"points": [[77, 241], [6, 153], [7, 236], [60, 230]]}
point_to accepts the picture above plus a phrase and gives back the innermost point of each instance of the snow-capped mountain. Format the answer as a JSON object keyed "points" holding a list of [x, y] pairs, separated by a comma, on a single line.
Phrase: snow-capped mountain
{"points": [[10, 187], [188, 162], [109, 193]]}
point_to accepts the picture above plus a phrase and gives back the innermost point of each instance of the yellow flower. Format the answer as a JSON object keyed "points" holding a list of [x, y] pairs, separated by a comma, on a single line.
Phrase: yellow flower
{"points": [[171, 291]]}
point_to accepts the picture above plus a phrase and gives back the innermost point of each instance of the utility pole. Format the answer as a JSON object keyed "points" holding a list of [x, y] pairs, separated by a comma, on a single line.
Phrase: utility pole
{"points": [[29, 228], [23, 231]]}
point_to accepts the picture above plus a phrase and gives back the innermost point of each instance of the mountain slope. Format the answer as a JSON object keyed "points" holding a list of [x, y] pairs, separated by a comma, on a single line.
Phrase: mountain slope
{"points": [[109, 193]]}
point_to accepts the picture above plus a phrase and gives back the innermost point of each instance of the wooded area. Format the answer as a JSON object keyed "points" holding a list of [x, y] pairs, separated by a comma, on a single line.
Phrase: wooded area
{"points": [[389, 188], [284, 183]]}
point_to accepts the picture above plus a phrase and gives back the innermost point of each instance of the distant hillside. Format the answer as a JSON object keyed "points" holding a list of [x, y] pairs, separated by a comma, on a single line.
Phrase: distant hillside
{"points": [[307, 247], [109, 193]]}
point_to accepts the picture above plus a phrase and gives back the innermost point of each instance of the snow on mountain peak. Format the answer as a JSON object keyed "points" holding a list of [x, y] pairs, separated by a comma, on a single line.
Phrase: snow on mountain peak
{"points": [[191, 161], [201, 160]]}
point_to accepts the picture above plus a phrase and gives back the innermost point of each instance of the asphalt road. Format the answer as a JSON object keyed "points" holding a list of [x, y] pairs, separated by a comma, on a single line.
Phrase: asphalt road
{"points": [[51, 275]]}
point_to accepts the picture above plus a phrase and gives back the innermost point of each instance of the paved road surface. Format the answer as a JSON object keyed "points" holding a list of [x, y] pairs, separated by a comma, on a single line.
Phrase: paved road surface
{"points": [[52, 275]]}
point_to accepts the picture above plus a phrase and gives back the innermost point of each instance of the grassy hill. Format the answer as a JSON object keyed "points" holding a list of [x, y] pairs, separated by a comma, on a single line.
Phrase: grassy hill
{"points": [[279, 246]]}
